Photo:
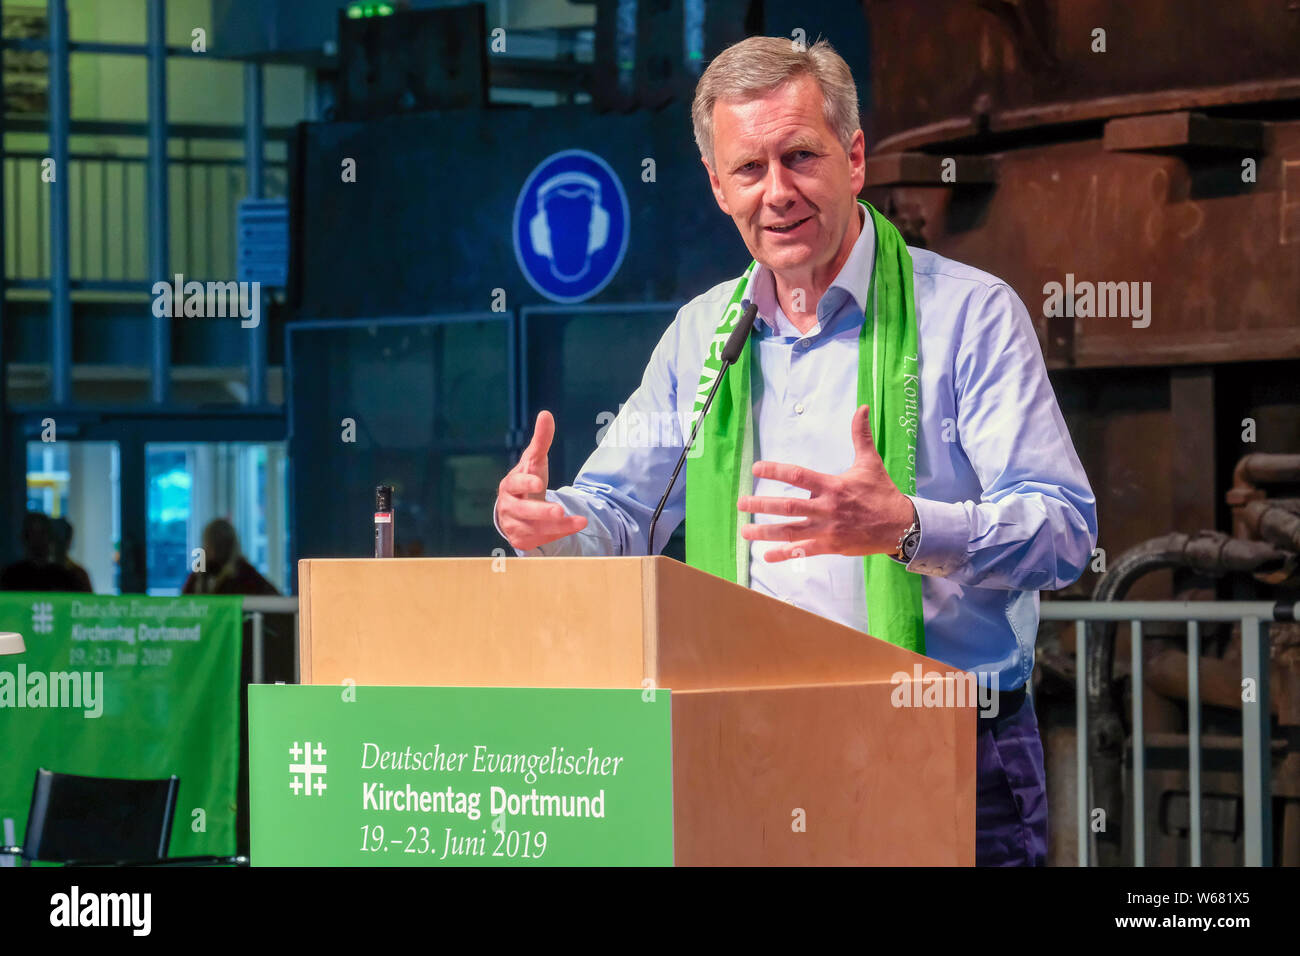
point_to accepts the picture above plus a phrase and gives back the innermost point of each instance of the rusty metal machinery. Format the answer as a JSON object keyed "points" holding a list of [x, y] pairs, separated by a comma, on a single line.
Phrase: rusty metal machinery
{"points": [[1117, 166], [1148, 149]]}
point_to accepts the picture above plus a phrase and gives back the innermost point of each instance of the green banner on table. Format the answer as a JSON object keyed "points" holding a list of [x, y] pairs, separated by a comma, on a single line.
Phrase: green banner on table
{"points": [[134, 687], [469, 776]]}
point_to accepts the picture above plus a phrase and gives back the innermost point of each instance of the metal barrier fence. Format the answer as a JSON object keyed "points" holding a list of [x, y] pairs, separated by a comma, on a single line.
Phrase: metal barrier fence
{"points": [[1255, 734], [255, 609]]}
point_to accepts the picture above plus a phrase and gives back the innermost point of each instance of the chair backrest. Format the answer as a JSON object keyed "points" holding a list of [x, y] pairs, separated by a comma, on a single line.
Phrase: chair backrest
{"points": [[99, 818]]}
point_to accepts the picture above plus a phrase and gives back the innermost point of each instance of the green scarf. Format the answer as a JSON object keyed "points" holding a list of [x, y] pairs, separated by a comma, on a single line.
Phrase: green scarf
{"points": [[719, 469]]}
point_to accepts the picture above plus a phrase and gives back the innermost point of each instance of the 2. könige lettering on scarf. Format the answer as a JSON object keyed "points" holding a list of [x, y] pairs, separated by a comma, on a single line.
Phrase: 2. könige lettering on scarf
{"points": [[910, 419]]}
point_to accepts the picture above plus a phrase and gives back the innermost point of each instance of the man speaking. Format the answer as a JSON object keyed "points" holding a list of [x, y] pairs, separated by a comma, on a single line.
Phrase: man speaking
{"points": [[887, 450]]}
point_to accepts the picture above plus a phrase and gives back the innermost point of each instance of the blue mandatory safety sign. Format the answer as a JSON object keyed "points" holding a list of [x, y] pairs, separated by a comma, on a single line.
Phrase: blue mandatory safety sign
{"points": [[571, 226]]}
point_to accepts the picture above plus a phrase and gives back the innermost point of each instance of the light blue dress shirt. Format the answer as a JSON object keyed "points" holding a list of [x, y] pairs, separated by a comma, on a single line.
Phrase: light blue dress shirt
{"points": [[1004, 505]]}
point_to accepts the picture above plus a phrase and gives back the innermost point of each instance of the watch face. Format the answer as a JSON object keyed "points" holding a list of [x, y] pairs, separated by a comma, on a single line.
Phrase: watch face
{"points": [[910, 543]]}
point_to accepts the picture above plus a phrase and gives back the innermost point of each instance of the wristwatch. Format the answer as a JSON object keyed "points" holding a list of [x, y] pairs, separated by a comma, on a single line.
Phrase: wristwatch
{"points": [[908, 542]]}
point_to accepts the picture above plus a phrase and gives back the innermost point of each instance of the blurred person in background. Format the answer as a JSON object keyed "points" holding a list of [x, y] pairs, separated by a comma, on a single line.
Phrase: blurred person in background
{"points": [[60, 545], [227, 572], [37, 571]]}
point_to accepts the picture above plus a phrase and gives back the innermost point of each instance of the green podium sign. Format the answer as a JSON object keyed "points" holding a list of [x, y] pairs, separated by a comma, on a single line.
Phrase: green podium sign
{"points": [[459, 776]]}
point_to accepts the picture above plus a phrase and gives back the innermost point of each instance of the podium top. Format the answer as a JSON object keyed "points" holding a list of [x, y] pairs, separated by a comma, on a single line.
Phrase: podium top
{"points": [[567, 622]]}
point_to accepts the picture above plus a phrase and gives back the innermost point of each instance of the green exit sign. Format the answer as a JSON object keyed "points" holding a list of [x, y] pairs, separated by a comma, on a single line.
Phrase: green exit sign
{"points": [[358, 11]]}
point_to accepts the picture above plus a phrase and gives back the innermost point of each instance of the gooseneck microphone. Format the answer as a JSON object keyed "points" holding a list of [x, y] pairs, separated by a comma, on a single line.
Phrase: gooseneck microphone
{"points": [[730, 352]]}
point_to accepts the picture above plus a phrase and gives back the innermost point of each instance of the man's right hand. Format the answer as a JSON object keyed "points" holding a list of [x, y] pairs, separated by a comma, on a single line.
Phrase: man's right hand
{"points": [[524, 515]]}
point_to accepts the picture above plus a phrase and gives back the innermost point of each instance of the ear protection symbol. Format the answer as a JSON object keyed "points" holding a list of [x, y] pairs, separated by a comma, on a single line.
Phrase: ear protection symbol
{"points": [[569, 185]]}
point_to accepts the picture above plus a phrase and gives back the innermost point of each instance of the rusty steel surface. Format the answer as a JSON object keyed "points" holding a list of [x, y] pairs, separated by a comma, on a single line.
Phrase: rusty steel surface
{"points": [[1222, 256], [947, 70]]}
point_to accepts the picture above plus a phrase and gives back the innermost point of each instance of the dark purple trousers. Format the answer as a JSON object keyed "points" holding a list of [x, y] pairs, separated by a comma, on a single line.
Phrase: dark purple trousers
{"points": [[1010, 790]]}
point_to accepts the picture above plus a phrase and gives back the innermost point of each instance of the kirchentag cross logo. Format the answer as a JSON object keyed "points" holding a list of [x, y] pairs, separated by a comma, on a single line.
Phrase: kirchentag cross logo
{"points": [[42, 617], [307, 769]]}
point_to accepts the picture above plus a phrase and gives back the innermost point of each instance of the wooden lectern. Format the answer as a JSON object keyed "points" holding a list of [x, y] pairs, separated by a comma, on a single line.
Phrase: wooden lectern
{"points": [[774, 709]]}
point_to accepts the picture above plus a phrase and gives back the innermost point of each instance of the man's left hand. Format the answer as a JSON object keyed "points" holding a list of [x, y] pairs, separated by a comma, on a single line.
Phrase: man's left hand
{"points": [[859, 511]]}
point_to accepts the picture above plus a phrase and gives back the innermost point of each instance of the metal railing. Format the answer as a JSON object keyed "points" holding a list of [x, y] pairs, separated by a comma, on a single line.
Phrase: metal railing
{"points": [[108, 218], [1255, 737], [255, 609]]}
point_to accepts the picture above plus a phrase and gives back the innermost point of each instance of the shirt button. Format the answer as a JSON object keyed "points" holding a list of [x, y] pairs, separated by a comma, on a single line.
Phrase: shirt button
{"points": [[801, 345], [798, 409]]}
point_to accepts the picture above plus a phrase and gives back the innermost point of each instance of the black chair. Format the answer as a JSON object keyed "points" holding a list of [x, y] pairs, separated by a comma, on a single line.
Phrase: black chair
{"points": [[77, 819]]}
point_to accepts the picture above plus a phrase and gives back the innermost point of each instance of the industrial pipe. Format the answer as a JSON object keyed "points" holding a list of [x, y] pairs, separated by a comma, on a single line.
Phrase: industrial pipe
{"points": [[1207, 552]]}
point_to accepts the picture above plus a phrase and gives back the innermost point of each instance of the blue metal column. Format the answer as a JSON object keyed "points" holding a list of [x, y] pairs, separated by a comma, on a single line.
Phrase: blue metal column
{"points": [[133, 561], [160, 357], [60, 273], [253, 147]]}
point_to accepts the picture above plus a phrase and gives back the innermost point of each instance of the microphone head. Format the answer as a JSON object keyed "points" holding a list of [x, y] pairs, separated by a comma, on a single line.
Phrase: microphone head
{"points": [[736, 341]]}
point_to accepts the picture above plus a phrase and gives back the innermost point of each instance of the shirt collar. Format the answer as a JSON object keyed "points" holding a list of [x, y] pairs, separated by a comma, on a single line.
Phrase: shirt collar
{"points": [[854, 278]]}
